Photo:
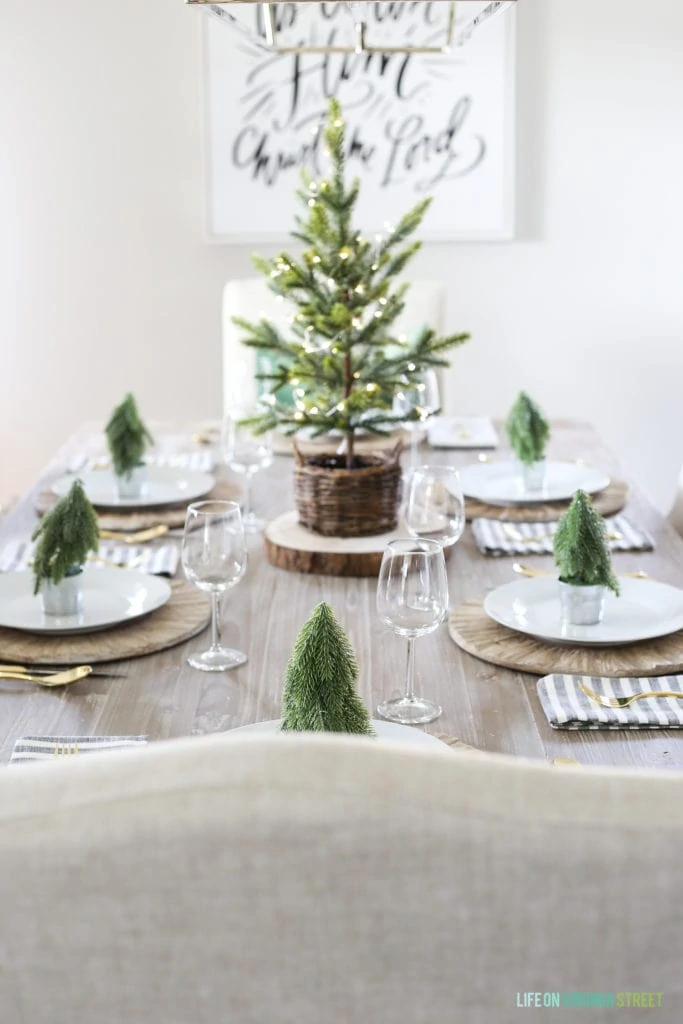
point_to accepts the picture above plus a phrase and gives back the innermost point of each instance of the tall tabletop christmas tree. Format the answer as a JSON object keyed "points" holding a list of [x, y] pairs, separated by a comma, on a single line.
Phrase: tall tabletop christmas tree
{"points": [[343, 362], [320, 683], [527, 429], [65, 536], [127, 436], [582, 554]]}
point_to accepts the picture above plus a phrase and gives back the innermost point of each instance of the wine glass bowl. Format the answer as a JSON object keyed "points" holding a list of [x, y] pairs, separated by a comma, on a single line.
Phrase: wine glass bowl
{"points": [[420, 398], [435, 509], [214, 557], [412, 599], [247, 452]]}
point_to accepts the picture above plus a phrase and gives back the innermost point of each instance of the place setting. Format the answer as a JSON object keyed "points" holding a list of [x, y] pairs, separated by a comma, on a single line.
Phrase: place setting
{"points": [[530, 488], [584, 619]]}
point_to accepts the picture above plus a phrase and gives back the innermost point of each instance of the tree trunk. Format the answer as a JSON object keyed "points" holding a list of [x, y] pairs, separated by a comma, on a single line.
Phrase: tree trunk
{"points": [[348, 385]]}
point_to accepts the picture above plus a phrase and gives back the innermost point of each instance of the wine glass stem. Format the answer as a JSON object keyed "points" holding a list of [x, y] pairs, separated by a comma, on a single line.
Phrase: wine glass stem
{"points": [[214, 620], [247, 495], [413, 448], [410, 670]]}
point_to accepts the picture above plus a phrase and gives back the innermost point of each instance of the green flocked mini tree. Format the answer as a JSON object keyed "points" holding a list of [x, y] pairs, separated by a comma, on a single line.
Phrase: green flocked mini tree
{"points": [[582, 554], [343, 363], [65, 536], [527, 429], [320, 683], [127, 437]]}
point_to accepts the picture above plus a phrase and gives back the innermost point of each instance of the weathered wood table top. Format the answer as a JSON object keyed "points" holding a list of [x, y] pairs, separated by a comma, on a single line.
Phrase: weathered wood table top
{"points": [[489, 708]]}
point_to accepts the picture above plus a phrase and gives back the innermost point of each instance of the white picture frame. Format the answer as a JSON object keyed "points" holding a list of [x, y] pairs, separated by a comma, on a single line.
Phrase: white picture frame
{"points": [[238, 212]]}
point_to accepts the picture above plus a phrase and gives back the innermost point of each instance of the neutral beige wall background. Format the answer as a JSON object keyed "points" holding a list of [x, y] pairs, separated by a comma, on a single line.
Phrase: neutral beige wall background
{"points": [[106, 283]]}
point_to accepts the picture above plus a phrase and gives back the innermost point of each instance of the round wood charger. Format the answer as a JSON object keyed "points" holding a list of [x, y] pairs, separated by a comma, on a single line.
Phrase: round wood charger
{"points": [[290, 546], [607, 502], [472, 630], [187, 613], [172, 516]]}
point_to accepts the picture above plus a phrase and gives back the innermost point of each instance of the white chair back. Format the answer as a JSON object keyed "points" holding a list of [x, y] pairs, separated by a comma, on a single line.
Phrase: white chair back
{"points": [[251, 299], [331, 879]]}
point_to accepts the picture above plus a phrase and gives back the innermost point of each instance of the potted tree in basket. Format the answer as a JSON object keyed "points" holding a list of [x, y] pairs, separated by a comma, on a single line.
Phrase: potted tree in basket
{"points": [[65, 536], [320, 683], [128, 439], [528, 432], [342, 362], [583, 557]]}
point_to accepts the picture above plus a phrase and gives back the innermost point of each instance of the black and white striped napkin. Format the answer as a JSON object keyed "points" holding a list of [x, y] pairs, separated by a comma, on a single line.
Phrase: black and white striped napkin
{"points": [[199, 461], [495, 538], [566, 706], [42, 748], [17, 555]]}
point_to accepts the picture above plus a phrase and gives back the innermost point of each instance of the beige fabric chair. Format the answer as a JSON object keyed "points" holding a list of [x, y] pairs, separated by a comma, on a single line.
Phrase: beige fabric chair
{"points": [[331, 881], [675, 516], [252, 299]]}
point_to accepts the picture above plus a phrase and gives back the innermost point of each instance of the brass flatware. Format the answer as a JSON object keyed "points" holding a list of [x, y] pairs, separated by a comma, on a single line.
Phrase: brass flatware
{"points": [[132, 564], [138, 536], [45, 671], [71, 675], [564, 762], [624, 702], [545, 535], [527, 570], [65, 750], [205, 437]]}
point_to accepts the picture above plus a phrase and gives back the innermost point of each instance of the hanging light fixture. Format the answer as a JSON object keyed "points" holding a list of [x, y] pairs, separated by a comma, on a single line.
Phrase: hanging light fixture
{"points": [[462, 18]]}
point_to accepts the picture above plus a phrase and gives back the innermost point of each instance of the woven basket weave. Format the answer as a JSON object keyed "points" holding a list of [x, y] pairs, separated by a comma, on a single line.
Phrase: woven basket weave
{"points": [[338, 502]]}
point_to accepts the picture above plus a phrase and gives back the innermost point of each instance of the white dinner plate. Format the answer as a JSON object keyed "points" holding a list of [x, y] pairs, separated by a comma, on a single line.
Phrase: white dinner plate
{"points": [[163, 486], [498, 483], [110, 597], [645, 609], [385, 731]]}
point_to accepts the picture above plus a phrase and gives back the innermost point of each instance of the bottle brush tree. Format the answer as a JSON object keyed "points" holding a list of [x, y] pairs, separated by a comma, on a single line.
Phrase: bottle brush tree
{"points": [[582, 553], [527, 429], [343, 362], [127, 437], [320, 683], [65, 536]]}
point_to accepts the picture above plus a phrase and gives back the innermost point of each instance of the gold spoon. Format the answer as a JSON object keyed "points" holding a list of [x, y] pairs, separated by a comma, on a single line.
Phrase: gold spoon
{"points": [[526, 570], [139, 536], [72, 675]]}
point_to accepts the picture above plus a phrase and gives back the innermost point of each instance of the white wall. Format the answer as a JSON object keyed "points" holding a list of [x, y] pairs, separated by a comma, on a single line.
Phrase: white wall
{"points": [[105, 283]]}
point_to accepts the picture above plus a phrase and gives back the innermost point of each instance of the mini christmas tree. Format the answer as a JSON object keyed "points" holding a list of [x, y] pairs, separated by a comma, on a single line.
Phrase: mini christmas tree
{"points": [[343, 364], [320, 683], [127, 437], [65, 536], [581, 551], [527, 429]]}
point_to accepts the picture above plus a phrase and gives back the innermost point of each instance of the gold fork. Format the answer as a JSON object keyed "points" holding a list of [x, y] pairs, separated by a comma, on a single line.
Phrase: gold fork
{"points": [[624, 702], [133, 564], [545, 535], [65, 750], [72, 675], [138, 536], [527, 570]]}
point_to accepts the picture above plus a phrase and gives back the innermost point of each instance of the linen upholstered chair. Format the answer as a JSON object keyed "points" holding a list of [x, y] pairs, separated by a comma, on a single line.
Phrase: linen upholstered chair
{"points": [[252, 299], [331, 880], [675, 516]]}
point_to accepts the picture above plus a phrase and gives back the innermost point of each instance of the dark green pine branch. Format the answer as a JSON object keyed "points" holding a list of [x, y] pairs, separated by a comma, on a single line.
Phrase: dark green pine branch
{"points": [[66, 534], [582, 553], [127, 436]]}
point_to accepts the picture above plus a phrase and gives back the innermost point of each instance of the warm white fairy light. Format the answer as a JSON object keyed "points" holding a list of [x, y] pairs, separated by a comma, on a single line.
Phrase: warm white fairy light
{"points": [[357, 322], [295, 382], [356, 375], [359, 289], [402, 338], [378, 314], [316, 259], [300, 317], [299, 392], [375, 266], [389, 227], [331, 282], [338, 123], [341, 407], [343, 255], [372, 387], [314, 410], [411, 367], [382, 302]]}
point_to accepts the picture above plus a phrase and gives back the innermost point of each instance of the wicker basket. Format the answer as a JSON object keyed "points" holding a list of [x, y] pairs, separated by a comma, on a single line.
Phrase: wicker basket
{"points": [[339, 502]]}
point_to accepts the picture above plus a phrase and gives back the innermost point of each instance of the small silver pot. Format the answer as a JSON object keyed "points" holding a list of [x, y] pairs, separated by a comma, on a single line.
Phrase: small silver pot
{"points": [[65, 597], [582, 606], [130, 484], [532, 477]]}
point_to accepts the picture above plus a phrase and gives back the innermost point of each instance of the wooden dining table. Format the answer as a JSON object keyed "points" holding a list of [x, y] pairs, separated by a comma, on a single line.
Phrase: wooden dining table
{"points": [[488, 708]]}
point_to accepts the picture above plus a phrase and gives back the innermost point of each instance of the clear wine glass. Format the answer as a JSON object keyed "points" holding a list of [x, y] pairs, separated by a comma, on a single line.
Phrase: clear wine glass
{"points": [[247, 452], [412, 598], [435, 509], [214, 555], [421, 397]]}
